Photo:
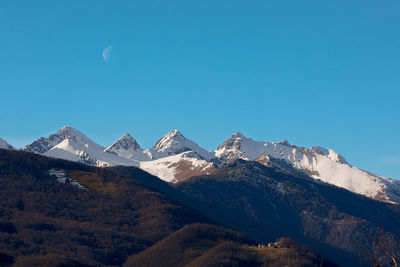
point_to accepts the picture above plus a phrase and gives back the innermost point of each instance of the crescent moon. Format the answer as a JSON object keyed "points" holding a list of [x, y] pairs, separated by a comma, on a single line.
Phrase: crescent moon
{"points": [[106, 53]]}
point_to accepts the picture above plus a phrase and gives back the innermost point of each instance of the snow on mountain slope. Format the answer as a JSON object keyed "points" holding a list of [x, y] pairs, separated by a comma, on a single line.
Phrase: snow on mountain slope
{"points": [[174, 143], [44, 144], [5, 145], [87, 153], [62, 177], [127, 147], [174, 158], [178, 167], [70, 144], [320, 163]]}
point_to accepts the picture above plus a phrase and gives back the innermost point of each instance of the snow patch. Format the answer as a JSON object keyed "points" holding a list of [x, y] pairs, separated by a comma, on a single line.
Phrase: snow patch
{"points": [[63, 178]]}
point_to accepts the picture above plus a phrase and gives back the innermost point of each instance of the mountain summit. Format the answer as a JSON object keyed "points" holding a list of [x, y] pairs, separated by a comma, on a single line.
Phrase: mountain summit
{"points": [[69, 143], [232, 148], [43, 144], [127, 147], [174, 143]]}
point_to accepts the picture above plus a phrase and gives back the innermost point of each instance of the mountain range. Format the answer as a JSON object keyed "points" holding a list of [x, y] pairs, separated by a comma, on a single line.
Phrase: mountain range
{"points": [[263, 191], [174, 158]]}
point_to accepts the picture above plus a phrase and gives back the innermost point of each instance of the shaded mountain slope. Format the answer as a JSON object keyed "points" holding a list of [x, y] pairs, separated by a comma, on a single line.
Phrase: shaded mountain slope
{"points": [[208, 245], [269, 203]]}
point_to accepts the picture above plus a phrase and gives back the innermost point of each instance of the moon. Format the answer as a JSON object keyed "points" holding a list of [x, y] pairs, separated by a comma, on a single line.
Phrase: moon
{"points": [[106, 53]]}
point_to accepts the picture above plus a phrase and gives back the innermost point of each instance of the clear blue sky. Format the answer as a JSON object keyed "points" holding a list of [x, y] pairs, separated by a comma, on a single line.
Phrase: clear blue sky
{"points": [[313, 72]]}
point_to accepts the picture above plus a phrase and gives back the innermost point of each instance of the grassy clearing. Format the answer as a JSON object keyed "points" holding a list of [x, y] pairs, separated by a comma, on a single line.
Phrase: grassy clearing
{"points": [[93, 181], [267, 251]]}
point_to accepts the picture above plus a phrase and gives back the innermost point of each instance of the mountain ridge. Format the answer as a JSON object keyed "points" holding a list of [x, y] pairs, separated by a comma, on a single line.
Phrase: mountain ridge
{"points": [[317, 162], [175, 158]]}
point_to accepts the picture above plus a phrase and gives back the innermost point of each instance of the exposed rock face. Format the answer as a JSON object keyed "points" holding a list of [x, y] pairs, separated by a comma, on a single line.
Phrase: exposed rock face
{"points": [[44, 144], [127, 147]]}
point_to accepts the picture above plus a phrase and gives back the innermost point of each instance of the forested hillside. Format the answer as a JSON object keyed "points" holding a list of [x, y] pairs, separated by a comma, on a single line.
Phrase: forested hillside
{"points": [[59, 213]]}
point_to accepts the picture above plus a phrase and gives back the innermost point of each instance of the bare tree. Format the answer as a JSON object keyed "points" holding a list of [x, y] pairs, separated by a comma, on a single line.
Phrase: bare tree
{"points": [[384, 250]]}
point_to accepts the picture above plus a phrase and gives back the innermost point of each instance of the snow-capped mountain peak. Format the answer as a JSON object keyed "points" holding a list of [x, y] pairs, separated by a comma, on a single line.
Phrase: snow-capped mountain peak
{"points": [[127, 147], [75, 135], [239, 135], [174, 143], [174, 157], [233, 141], [232, 148], [126, 142], [5, 145], [318, 162], [169, 140], [69, 143], [44, 144]]}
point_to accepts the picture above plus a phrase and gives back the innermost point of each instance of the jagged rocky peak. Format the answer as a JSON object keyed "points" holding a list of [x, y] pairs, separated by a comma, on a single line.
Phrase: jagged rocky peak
{"points": [[234, 148], [239, 135], [126, 142], [127, 147], [170, 139], [43, 144], [65, 129], [174, 143], [233, 141], [285, 143], [173, 139], [5, 145], [73, 134]]}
